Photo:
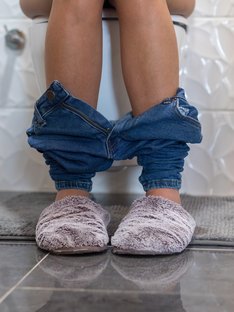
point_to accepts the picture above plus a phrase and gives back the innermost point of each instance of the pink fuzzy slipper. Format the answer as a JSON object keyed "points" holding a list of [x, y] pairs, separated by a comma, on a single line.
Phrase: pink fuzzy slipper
{"points": [[154, 226], [74, 224]]}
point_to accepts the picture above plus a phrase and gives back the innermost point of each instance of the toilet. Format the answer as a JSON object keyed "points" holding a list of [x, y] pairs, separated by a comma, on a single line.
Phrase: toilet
{"points": [[113, 100]]}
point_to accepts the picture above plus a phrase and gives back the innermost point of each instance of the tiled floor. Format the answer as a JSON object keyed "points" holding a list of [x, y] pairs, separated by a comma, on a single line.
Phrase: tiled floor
{"points": [[199, 279]]}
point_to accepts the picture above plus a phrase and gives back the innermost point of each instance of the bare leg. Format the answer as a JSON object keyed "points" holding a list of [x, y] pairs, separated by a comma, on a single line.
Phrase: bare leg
{"points": [[34, 8], [181, 7], [149, 59], [74, 53], [74, 47], [148, 51]]}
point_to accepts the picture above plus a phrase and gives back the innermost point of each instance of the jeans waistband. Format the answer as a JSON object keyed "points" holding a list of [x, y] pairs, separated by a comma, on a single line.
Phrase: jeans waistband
{"points": [[56, 95]]}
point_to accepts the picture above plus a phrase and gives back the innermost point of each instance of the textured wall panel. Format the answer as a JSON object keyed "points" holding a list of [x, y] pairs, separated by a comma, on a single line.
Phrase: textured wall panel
{"points": [[209, 168], [17, 78], [21, 167], [209, 71], [10, 9], [214, 8]]}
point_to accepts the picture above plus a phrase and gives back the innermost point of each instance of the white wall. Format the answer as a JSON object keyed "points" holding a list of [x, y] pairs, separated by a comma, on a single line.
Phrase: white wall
{"points": [[20, 167], [209, 82], [208, 76]]}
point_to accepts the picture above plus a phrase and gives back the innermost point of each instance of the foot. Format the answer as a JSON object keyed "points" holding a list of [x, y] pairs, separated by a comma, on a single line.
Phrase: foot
{"points": [[170, 194], [71, 192], [73, 225], [154, 226]]}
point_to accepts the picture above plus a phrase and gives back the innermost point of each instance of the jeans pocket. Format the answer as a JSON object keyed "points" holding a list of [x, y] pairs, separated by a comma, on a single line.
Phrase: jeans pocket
{"points": [[186, 112]]}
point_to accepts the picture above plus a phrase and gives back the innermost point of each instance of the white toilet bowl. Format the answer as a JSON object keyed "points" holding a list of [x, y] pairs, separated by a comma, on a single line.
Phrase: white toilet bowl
{"points": [[113, 99]]}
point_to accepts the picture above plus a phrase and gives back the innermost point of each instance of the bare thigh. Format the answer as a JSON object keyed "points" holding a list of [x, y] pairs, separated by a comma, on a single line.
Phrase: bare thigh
{"points": [[178, 7], [181, 7], [34, 8]]}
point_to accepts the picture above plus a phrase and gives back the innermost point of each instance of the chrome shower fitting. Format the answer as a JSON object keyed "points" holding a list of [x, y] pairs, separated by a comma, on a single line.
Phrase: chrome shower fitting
{"points": [[15, 39]]}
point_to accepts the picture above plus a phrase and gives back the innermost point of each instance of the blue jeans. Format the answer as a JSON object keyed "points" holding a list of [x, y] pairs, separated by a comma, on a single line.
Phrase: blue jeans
{"points": [[77, 141]]}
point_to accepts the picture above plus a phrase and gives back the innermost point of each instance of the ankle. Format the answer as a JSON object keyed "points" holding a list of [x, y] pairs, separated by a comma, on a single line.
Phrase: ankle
{"points": [[171, 194], [71, 192]]}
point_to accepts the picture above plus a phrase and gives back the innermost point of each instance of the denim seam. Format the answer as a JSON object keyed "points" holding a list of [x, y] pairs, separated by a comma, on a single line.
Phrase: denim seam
{"points": [[64, 181], [108, 150], [186, 118], [74, 184], [109, 147], [38, 114], [50, 110], [86, 119], [171, 183], [165, 102]]}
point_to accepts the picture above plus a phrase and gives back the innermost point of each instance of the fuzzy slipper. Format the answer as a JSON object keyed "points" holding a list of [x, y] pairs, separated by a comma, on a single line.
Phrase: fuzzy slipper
{"points": [[154, 226], [73, 225]]}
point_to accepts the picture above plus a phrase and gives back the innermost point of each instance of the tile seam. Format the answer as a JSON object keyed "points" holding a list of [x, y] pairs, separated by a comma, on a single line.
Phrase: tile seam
{"points": [[21, 280], [100, 291]]}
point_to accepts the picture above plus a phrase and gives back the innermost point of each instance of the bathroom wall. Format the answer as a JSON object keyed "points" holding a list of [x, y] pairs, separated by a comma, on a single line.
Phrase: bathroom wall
{"points": [[20, 167], [207, 75]]}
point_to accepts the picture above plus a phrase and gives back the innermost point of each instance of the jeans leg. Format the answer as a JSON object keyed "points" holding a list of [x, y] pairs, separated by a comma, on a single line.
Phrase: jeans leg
{"points": [[159, 138], [72, 136]]}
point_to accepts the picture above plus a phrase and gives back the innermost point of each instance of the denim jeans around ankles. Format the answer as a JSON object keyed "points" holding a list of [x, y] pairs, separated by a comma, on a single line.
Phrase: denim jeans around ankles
{"points": [[72, 137], [159, 137], [77, 141]]}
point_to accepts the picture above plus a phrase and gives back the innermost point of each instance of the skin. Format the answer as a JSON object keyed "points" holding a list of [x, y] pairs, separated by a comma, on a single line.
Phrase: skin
{"points": [[34, 8], [150, 70]]}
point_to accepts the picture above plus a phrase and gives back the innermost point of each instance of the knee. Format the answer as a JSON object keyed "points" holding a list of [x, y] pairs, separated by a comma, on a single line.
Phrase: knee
{"points": [[181, 7], [34, 8], [139, 8], [134, 11], [79, 9]]}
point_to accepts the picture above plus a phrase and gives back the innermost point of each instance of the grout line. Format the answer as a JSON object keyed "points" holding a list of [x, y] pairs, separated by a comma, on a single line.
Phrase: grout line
{"points": [[209, 249], [16, 243], [111, 291], [86, 290], [21, 280]]}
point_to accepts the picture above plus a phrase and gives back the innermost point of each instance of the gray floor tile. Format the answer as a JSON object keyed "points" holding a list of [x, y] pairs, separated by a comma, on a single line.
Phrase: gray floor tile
{"points": [[110, 272], [16, 259], [56, 301], [151, 274], [50, 300], [195, 280]]}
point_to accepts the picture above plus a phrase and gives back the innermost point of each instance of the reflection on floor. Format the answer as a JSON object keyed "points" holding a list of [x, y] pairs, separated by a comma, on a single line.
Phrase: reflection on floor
{"points": [[199, 279]]}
